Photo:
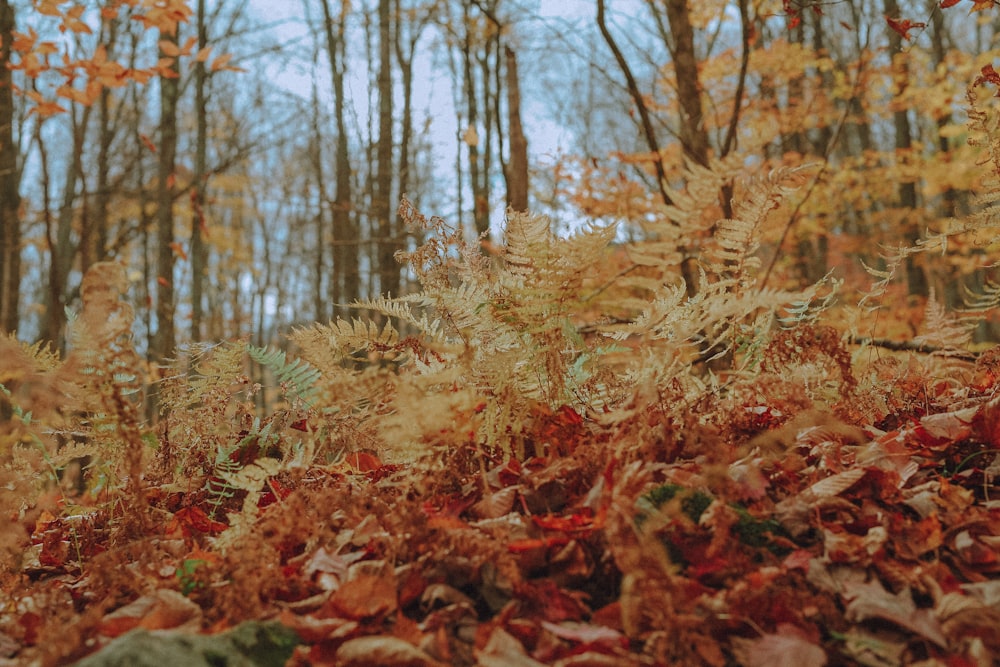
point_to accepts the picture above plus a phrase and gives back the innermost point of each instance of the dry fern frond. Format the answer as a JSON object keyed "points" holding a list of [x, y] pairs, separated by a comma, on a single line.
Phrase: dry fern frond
{"points": [[735, 241], [943, 329]]}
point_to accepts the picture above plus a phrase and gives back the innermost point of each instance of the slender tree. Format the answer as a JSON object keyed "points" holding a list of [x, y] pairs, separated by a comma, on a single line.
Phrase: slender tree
{"points": [[165, 337], [199, 250], [10, 201], [346, 233], [915, 277], [517, 167], [382, 208]]}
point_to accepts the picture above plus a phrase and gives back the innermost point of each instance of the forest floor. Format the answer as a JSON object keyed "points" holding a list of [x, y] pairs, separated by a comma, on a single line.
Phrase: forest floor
{"points": [[815, 542]]}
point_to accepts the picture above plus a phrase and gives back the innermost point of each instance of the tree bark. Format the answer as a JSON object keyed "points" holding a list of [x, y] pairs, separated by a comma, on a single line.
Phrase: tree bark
{"points": [[916, 279], [62, 247], [94, 235], [477, 178], [346, 279], [382, 208], [517, 167], [164, 340], [694, 135], [199, 251], [10, 201]]}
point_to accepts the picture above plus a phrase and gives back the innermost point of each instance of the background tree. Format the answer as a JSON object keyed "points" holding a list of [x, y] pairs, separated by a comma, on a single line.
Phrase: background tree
{"points": [[10, 200]]}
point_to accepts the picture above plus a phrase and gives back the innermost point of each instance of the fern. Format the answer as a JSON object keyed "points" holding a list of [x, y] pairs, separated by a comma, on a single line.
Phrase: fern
{"points": [[297, 377]]}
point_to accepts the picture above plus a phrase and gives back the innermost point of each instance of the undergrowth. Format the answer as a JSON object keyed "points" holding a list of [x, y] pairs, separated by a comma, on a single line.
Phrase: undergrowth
{"points": [[652, 411]]}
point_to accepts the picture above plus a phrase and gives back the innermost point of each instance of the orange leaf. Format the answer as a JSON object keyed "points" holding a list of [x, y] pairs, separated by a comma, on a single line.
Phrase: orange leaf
{"points": [[202, 56], [162, 281], [367, 596], [48, 7], [363, 461], [188, 45], [169, 49], [47, 49], [46, 109], [222, 62], [79, 27], [179, 250], [148, 143], [904, 26]]}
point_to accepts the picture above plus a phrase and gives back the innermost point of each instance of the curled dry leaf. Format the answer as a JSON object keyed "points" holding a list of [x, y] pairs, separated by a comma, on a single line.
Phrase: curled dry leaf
{"points": [[871, 600], [164, 609], [786, 648], [382, 651], [367, 596], [503, 650], [836, 484]]}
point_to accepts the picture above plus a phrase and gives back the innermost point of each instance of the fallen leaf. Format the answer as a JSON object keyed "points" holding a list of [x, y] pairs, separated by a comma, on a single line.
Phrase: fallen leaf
{"points": [[503, 650], [367, 596], [871, 600], [161, 610], [786, 648], [381, 651]]}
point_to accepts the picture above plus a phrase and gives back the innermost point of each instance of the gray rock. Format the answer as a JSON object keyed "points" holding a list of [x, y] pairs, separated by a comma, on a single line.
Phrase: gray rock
{"points": [[250, 644]]}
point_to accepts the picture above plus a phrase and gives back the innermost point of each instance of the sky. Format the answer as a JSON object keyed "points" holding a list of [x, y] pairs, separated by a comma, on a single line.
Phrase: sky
{"points": [[432, 79]]}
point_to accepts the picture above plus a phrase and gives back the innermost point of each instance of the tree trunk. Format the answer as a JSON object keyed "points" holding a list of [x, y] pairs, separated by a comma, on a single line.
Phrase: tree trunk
{"points": [[916, 279], [315, 153], [694, 135], [480, 199], [517, 167], [199, 251], [382, 207], [94, 234], [10, 201], [346, 280], [165, 337], [949, 205], [63, 250]]}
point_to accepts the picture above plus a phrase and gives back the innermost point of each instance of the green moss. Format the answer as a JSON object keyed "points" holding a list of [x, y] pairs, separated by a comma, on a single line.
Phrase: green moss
{"points": [[749, 530]]}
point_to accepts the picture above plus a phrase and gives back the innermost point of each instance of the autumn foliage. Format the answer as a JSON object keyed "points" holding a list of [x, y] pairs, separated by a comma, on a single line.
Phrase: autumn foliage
{"points": [[526, 462], [552, 453]]}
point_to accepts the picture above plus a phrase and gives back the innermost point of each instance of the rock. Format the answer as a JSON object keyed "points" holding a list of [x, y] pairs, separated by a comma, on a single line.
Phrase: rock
{"points": [[250, 644]]}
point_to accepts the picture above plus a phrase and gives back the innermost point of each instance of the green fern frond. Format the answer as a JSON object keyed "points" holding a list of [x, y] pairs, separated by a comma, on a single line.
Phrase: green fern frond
{"points": [[297, 377]]}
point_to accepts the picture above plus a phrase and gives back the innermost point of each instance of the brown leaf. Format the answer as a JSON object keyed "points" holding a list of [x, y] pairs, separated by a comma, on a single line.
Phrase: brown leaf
{"points": [[162, 610], [367, 596], [503, 650], [871, 600], [496, 504], [786, 648], [381, 651]]}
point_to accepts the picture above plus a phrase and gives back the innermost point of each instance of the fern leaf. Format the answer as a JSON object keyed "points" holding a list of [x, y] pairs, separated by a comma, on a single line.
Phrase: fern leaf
{"points": [[297, 377]]}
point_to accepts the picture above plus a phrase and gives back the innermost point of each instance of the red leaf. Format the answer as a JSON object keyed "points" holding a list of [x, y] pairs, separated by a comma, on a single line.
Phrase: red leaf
{"points": [[148, 143], [581, 521], [904, 26], [945, 4], [520, 546], [193, 519], [363, 461], [988, 75]]}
